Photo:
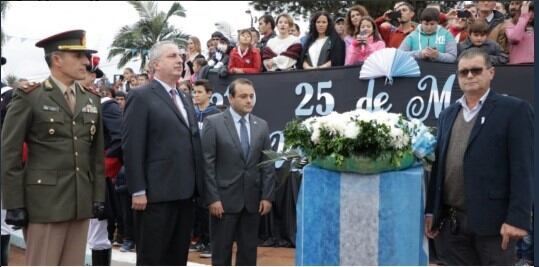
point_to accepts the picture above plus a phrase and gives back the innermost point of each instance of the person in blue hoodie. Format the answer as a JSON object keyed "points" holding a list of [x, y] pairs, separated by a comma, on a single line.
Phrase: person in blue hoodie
{"points": [[430, 41], [202, 92]]}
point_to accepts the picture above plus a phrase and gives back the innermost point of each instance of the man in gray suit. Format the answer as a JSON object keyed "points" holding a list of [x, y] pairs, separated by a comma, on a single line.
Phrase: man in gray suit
{"points": [[163, 161], [237, 190]]}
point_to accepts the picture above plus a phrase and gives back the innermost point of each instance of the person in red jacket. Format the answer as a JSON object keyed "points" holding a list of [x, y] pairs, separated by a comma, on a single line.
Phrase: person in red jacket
{"points": [[244, 58], [403, 12]]}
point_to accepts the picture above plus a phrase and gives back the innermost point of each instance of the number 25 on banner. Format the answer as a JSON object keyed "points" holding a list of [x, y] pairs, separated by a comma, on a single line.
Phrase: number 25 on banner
{"points": [[323, 107]]}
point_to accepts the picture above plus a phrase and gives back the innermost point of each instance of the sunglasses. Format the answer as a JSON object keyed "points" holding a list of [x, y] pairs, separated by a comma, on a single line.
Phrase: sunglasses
{"points": [[474, 71]]}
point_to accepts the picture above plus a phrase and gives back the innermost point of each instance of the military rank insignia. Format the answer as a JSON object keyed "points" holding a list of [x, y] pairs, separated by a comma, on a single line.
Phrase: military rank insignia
{"points": [[90, 109]]}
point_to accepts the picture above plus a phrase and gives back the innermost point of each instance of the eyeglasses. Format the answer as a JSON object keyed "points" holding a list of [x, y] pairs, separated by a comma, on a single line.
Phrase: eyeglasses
{"points": [[474, 71]]}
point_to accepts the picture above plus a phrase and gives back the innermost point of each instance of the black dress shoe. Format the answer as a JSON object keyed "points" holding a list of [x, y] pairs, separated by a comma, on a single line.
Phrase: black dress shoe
{"points": [[270, 242]]}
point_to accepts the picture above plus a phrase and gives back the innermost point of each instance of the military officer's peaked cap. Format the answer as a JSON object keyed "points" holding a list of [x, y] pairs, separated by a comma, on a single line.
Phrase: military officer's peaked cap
{"points": [[66, 41]]}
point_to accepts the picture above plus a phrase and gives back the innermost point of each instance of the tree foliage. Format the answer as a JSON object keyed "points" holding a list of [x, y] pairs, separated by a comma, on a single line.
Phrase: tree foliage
{"points": [[11, 80], [304, 9], [134, 41]]}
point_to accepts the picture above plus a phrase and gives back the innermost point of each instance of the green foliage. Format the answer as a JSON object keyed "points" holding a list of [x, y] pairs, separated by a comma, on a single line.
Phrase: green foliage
{"points": [[134, 41], [11, 80], [373, 141], [304, 8], [296, 135]]}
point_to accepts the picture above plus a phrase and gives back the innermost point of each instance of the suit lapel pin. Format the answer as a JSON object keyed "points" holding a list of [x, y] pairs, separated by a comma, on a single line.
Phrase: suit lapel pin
{"points": [[482, 120]]}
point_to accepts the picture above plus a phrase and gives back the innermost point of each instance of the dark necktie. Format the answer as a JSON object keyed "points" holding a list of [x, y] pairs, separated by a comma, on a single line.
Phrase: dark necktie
{"points": [[244, 138]]}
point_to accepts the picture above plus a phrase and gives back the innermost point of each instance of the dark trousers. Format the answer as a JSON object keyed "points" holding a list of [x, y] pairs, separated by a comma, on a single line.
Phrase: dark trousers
{"points": [[163, 233], [5, 249], [243, 227], [112, 208], [201, 227], [124, 202], [467, 248]]}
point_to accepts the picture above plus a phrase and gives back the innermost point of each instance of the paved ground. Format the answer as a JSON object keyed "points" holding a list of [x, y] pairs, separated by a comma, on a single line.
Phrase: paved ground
{"points": [[266, 256]]}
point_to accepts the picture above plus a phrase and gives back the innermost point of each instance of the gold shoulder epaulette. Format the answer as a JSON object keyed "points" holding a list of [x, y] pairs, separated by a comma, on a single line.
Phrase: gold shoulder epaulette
{"points": [[29, 87]]}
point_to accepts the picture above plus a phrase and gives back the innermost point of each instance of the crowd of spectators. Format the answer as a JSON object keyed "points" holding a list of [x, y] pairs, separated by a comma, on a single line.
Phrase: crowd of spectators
{"points": [[503, 29]]}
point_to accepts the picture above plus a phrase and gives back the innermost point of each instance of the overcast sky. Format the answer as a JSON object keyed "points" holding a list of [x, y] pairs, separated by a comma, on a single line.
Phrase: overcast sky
{"points": [[27, 22]]}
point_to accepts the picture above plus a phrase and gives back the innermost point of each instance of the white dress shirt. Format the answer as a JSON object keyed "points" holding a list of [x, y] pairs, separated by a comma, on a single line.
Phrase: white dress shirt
{"points": [[468, 113], [178, 101], [237, 117]]}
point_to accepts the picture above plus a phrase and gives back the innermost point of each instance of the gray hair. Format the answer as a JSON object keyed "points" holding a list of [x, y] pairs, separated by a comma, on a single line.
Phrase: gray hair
{"points": [[475, 52], [157, 50]]}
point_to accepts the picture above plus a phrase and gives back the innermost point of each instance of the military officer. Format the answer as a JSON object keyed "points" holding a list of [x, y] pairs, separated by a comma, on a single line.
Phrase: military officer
{"points": [[62, 184]]}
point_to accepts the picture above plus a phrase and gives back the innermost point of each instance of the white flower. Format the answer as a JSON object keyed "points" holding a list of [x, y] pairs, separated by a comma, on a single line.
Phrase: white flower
{"points": [[315, 136], [398, 139], [352, 130], [310, 123]]}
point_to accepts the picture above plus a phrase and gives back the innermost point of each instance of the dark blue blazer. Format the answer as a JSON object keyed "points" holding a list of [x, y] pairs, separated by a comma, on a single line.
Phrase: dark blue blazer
{"points": [[112, 121], [498, 165], [162, 154]]}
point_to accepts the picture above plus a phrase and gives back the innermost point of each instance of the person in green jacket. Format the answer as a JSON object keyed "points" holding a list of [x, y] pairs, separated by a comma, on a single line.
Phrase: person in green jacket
{"points": [[62, 183], [430, 41]]}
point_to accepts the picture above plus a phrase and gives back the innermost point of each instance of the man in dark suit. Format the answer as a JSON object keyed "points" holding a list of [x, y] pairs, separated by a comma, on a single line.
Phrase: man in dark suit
{"points": [[237, 190], [162, 159], [479, 198]]}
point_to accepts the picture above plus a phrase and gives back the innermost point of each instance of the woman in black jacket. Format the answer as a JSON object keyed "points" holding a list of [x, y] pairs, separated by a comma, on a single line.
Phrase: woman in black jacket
{"points": [[323, 48]]}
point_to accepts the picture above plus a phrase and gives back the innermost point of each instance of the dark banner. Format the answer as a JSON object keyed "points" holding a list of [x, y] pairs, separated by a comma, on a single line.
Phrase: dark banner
{"points": [[283, 96]]}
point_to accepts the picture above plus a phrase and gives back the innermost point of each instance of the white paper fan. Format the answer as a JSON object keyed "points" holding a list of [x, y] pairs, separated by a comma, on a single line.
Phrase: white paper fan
{"points": [[389, 63], [378, 64], [404, 65]]}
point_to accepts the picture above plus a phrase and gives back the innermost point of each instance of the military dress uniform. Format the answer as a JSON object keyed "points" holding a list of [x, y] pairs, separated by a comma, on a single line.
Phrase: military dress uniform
{"points": [[63, 177]]}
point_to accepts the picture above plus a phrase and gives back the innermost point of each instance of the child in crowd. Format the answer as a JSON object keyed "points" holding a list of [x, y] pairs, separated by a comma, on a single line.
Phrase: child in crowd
{"points": [[430, 41], [477, 37], [200, 69], [244, 58], [366, 42], [219, 62]]}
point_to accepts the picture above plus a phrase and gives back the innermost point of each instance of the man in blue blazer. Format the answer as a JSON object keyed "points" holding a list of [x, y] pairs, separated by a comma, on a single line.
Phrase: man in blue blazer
{"points": [[479, 198], [162, 159]]}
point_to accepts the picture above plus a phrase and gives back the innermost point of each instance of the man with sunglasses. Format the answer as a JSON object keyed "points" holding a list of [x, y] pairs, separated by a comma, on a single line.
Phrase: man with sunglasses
{"points": [[479, 198]]}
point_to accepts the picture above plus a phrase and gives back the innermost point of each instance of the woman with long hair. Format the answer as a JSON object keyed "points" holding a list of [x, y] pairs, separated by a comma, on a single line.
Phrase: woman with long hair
{"points": [[323, 48], [353, 16], [194, 51], [366, 42]]}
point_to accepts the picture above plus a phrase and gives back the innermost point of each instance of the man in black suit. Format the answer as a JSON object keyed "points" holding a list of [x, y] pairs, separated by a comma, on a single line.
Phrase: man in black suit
{"points": [[479, 198], [237, 190], [162, 158]]}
